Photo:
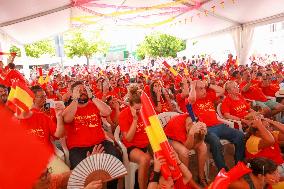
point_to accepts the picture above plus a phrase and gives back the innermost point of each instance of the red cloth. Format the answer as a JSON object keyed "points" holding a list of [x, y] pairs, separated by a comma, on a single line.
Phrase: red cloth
{"points": [[13, 76], [204, 109], [140, 138], [181, 102], [175, 129], [23, 158], [271, 89], [239, 108], [86, 128], [254, 92], [39, 125], [180, 185], [272, 152]]}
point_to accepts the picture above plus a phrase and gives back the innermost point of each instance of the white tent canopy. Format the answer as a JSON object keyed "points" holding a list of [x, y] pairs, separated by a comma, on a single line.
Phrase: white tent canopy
{"points": [[26, 21]]}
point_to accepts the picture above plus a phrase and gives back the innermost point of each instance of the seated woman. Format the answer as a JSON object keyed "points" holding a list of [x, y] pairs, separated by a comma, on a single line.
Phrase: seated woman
{"points": [[234, 106], [264, 175], [263, 140], [160, 98], [134, 135], [185, 136], [157, 181]]}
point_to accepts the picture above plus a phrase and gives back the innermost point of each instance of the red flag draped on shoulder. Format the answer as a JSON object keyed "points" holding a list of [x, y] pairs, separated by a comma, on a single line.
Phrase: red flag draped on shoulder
{"points": [[23, 158], [158, 139]]}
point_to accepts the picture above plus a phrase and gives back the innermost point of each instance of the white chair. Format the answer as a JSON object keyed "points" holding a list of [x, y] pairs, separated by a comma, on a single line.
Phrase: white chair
{"points": [[130, 166], [229, 122], [65, 150]]}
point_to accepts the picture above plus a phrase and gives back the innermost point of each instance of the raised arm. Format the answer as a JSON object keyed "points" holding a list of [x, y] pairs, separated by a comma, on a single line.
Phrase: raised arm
{"points": [[70, 111]]}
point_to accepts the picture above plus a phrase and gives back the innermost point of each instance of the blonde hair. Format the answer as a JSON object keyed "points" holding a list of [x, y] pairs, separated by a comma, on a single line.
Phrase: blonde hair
{"points": [[134, 95]]}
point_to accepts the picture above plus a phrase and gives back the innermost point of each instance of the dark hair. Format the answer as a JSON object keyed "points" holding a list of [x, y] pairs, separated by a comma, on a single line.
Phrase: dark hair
{"points": [[36, 88], [153, 94], [134, 95], [76, 84], [3, 86], [261, 165], [11, 66], [235, 73]]}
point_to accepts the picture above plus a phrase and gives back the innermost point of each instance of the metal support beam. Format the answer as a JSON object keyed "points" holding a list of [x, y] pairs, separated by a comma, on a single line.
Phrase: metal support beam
{"points": [[36, 15]]}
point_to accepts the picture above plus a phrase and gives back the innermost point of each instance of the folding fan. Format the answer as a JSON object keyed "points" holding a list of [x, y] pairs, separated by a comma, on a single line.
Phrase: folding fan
{"points": [[103, 167]]}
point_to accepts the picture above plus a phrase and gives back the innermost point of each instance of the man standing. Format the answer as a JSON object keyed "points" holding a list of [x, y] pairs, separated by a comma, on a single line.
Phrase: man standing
{"points": [[202, 98]]}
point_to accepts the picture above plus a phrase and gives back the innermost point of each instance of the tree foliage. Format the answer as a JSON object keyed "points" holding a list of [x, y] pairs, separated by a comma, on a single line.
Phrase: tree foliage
{"points": [[40, 48], [82, 43], [160, 45], [15, 49]]}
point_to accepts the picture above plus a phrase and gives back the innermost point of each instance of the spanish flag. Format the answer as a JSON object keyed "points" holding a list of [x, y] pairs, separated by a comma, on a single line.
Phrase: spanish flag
{"points": [[40, 79], [10, 98], [48, 76], [157, 138], [21, 97], [172, 70]]}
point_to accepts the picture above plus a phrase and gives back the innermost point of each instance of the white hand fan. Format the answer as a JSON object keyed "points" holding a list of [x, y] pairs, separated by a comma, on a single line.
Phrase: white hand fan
{"points": [[103, 167]]}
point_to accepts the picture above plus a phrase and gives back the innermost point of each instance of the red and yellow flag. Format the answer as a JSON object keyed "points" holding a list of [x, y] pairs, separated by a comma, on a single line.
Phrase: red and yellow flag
{"points": [[40, 79], [48, 76], [157, 138], [172, 70], [20, 98]]}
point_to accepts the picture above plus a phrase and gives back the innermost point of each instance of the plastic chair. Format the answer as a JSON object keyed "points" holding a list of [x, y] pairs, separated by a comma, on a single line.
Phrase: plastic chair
{"points": [[130, 166], [65, 150], [229, 122]]}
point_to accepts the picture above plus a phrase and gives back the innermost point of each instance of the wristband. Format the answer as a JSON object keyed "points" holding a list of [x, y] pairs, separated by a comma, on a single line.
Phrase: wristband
{"points": [[155, 176]]}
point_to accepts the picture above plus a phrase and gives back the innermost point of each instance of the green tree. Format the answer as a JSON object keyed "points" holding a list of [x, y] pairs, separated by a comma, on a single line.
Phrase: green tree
{"points": [[40, 48], [15, 49], [160, 45], [83, 43]]}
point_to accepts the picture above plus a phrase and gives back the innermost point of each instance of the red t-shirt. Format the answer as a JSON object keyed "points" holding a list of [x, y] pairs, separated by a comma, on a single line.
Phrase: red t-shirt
{"points": [[14, 76], [86, 128], [175, 129], [140, 138], [254, 92], [181, 102], [271, 89], [180, 185], [239, 108], [205, 111], [41, 126]]}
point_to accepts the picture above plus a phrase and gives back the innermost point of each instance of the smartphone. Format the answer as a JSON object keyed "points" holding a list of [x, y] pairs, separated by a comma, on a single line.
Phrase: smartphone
{"points": [[50, 103]]}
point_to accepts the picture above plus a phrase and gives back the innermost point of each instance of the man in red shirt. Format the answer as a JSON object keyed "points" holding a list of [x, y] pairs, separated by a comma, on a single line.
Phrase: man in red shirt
{"points": [[269, 84], [184, 136], [203, 107], [251, 90], [83, 125], [234, 106]]}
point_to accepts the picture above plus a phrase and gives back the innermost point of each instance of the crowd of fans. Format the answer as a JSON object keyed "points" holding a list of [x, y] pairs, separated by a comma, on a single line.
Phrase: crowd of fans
{"points": [[87, 103]]}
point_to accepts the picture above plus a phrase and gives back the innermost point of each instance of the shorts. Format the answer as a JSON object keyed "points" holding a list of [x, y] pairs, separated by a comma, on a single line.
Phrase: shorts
{"points": [[129, 149], [271, 104]]}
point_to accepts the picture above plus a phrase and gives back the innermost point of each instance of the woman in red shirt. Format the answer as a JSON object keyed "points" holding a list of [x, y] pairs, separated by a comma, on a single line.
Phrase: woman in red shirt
{"points": [[160, 98], [134, 136], [264, 137]]}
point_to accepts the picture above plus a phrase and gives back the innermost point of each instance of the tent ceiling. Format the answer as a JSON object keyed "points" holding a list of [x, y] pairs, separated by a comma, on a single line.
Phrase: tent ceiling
{"points": [[29, 30]]}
